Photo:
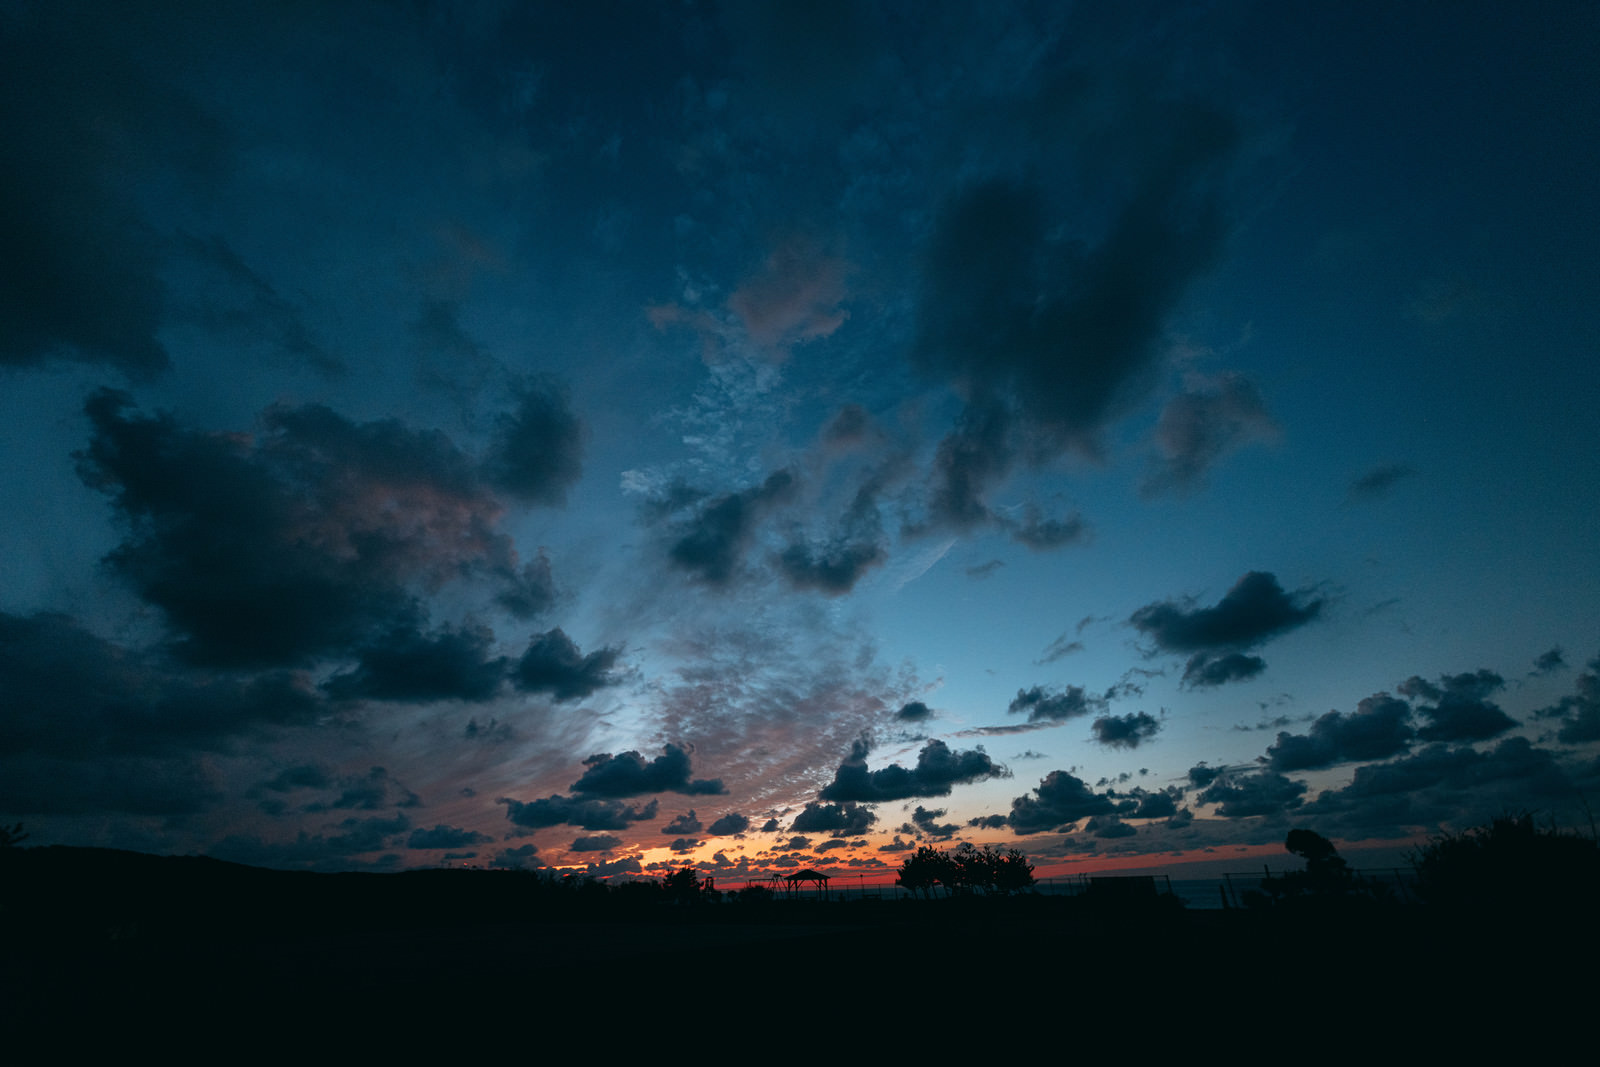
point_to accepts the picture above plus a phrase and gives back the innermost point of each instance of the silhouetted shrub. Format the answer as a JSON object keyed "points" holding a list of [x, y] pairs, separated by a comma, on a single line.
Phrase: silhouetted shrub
{"points": [[1509, 863]]}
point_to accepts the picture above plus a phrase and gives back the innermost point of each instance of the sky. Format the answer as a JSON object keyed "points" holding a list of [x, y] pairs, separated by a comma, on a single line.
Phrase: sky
{"points": [[616, 436]]}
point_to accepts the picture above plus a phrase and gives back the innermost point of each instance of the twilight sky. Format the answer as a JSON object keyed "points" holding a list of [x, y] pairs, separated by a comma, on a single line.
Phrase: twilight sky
{"points": [[782, 434]]}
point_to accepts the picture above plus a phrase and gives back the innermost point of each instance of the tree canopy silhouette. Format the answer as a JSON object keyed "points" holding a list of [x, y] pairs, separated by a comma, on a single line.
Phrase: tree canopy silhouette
{"points": [[968, 868], [1509, 863]]}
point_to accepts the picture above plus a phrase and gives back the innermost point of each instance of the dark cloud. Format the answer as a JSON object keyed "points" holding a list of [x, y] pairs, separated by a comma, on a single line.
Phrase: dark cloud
{"points": [[988, 822], [1055, 706], [684, 824], [1379, 481], [1261, 793], [1060, 798], [1379, 728], [711, 544], [936, 771], [536, 453], [373, 791], [1126, 731], [404, 665], [1461, 710], [1201, 776], [834, 566], [1444, 786], [81, 277], [515, 859], [1207, 669], [628, 775], [554, 665], [1256, 609], [596, 843], [731, 823], [325, 851], [445, 837], [838, 820], [242, 309], [1143, 804], [985, 570], [529, 592], [928, 822], [1553, 660], [1060, 648], [1107, 827], [557, 810], [1579, 713], [851, 425], [306, 539], [87, 722], [1046, 339], [915, 711], [1200, 426], [1042, 534]]}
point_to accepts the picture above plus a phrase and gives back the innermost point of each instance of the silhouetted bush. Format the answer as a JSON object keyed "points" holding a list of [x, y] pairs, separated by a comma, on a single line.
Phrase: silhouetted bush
{"points": [[1509, 863], [966, 869]]}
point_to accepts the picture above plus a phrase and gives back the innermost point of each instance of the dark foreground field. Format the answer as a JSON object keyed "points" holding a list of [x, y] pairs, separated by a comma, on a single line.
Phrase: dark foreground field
{"points": [[123, 939]]}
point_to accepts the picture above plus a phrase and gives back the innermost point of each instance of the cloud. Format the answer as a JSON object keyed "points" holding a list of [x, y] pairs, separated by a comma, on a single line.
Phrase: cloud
{"points": [[1200, 426], [729, 824], [1444, 786], [1579, 713], [515, 859], [1041, 534], [685, 823], [1060, 648], [306, 539], [936, 771], [553, 664], [596, 843], [81, 279], [590, 814], [536, 453], [89, 724], [1379, 728], [1057, 706], [834, 566], [1549, 662], [1047, 339], [1378, 482], [373, 791], [711, 544], [1255, 610], [838, 820], [1462, 710], [405, 665], [795, 297], [628, 775], [1206, 669], [1262, 793], [1060, 798], [914, 711], [445, 837], [928, 822], [1125, 731]]}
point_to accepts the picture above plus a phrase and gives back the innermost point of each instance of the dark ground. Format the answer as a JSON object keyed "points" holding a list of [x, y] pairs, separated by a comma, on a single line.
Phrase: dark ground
{"points": [[122, 939]]}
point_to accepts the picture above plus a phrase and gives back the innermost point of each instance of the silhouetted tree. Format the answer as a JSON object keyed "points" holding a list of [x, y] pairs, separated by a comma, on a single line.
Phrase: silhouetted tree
{"points": [[968, 868], [1508, 864], [682, 886], [926, 868]]}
